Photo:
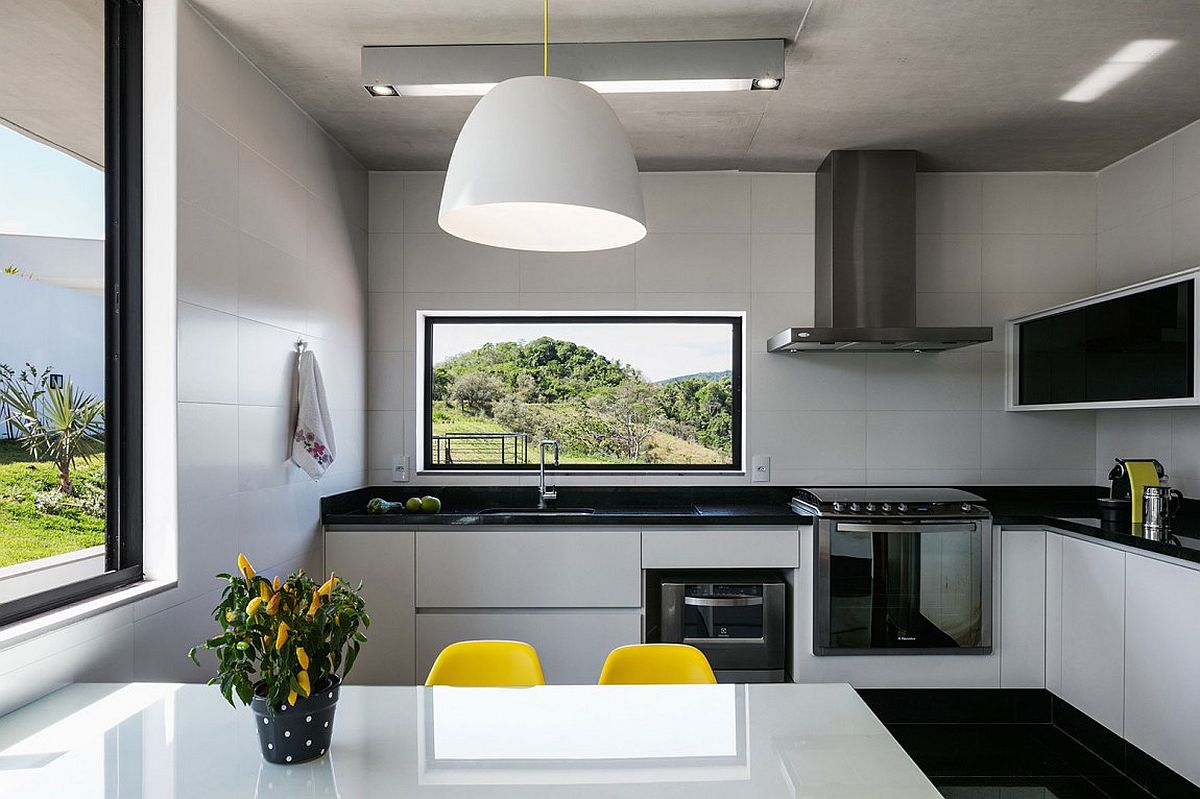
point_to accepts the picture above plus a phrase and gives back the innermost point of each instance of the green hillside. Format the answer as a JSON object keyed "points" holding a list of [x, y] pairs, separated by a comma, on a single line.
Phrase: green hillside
{"points": [[601, 410]]}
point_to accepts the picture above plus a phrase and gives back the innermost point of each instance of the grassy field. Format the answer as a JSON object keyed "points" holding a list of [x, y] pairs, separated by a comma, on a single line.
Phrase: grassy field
{"points": [[27, 533], [665, 447]]}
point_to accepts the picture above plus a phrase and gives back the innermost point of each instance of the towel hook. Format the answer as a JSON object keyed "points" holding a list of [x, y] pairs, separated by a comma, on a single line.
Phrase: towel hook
{"points": [[301, 345]]}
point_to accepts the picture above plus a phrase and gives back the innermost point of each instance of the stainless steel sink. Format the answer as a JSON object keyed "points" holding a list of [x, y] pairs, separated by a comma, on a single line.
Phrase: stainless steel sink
{"points": [[552, 511]]}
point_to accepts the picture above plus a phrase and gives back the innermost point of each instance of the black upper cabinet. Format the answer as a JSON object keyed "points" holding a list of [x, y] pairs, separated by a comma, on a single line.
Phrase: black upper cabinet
{"points": [[1135, 347]]}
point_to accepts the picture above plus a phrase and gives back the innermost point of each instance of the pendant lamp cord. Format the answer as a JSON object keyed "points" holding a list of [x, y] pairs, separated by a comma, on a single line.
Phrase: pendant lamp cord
{"points": [[545, 38]]}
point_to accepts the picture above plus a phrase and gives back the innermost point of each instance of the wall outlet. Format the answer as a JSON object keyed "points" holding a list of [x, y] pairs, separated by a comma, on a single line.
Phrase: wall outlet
{"points": [[400, 473], [760, 471]]}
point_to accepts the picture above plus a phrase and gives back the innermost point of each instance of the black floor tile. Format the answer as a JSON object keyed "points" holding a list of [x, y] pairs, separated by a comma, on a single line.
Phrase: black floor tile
{"points": [[1033, 788]]}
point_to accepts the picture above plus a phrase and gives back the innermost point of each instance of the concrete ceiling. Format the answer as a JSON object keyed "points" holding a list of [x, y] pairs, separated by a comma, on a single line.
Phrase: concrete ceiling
{"points": [[971, 84], [52, 73]]}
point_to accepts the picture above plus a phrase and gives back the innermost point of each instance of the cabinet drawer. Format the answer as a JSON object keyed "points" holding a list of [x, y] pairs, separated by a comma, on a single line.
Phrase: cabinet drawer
{"points": [[709, 548], [384, 561], [571, 645], [528, 569]]}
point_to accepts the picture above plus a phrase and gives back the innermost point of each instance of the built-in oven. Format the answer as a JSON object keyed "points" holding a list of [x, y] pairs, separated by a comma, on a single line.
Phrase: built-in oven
{"points": [[738, 619], [900, 571]]}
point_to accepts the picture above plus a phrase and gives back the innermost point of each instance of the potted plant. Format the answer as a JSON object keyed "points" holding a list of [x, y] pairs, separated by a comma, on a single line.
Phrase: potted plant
{"points": [[284, 648]]}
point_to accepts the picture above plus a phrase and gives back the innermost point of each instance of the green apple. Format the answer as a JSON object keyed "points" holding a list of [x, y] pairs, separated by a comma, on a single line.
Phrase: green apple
{"points": [[430, 504], [413, 505]]}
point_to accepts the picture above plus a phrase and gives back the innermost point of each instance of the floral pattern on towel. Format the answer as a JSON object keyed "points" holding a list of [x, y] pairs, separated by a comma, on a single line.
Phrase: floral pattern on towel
{"points": [[314, 446]]}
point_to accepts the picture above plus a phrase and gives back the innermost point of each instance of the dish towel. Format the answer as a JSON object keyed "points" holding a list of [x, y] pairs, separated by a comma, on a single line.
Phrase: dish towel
{"points": [[313, 449]]}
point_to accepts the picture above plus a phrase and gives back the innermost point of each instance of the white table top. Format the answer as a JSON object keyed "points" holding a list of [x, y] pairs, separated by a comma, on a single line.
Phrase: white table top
{"points": [[159, 740]]}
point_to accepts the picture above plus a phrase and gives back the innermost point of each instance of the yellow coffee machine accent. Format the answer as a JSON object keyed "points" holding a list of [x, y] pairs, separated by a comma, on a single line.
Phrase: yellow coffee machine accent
{"points": [[1127, 479]]}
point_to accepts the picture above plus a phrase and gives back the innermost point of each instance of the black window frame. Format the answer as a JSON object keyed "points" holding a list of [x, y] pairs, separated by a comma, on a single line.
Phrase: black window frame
{"points": [[736, 322], [123, 320]]}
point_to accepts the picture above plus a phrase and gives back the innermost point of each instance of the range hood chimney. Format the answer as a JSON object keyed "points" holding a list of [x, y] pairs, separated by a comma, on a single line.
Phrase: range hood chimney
{"points": [[866, 272]]}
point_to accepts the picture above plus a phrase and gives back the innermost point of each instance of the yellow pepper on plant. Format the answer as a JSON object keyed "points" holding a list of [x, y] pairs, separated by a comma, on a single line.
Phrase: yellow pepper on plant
{"points": [[244, 567]]}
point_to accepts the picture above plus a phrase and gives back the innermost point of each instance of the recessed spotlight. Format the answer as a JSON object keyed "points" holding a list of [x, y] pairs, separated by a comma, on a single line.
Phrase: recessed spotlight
{"points": [[381, 90], [765, 84]]}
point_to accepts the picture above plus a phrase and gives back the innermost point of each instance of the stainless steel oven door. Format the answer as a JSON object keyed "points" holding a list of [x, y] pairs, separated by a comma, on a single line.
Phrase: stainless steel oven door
{"points": [[889, 588]]}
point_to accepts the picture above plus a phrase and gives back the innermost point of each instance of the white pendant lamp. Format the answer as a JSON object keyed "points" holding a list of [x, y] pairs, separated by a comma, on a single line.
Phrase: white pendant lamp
{"points": [[543, 164]]}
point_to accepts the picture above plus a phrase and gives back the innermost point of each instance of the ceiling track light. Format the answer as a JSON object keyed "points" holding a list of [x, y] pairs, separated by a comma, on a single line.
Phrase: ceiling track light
{"points": [[608, 67]]}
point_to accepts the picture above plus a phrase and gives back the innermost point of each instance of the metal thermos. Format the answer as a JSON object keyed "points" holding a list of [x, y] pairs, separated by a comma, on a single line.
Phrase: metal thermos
{"points": [[1159, 504]]}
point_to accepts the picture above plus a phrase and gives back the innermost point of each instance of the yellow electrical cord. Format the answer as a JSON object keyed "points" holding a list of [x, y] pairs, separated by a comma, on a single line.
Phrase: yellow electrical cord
{"points": [[545, 38]]}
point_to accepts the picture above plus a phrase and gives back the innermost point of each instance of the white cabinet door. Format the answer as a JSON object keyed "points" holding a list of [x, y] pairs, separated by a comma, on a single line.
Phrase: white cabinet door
{"points": [[1054, 557], [717, 548], [385, 562], [562, 568], [1022, 641], [1093, 631], [1162, 662], [571, 645]]}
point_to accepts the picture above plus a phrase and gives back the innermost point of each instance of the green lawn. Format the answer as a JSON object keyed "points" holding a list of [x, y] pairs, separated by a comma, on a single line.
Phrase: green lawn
{"points": [[27, 533]]}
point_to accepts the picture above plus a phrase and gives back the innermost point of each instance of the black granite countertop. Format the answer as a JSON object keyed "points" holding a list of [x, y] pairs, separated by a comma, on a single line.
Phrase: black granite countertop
{"points": [[609, 505], [1071, 508]]}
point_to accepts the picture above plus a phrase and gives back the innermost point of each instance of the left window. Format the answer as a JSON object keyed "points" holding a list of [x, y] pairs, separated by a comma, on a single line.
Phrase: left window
{"points": [[70, 303]]}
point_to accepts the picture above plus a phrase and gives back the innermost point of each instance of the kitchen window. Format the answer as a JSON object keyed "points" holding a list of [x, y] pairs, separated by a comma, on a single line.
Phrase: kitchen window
{"points": [[632, 392], [70, 333]]}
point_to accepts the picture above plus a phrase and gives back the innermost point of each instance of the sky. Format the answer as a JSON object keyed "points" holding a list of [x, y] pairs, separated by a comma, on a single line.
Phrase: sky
{"points": [[679, 348], [45, 192]]}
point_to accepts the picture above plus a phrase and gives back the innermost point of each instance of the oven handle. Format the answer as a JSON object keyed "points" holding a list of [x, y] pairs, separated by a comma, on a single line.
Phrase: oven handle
{"points": [[919, 527], [722, 601]]}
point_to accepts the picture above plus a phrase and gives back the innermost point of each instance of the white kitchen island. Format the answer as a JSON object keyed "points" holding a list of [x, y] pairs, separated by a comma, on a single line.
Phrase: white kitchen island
{"points": [[167, 741]]}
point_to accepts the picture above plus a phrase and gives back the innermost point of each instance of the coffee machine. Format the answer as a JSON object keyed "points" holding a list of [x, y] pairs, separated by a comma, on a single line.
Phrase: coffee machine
{"points": [[1127, 480]]}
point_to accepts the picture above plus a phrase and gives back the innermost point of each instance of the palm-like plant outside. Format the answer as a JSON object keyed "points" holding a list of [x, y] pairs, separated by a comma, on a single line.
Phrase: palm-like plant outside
{"points": [[54, 423]]}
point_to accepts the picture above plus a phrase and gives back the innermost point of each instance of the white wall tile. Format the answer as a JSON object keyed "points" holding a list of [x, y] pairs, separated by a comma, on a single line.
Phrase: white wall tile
{"points": [[386, 321], [266, 359], [1039, 203], [207, 259], [998, 307], [1187, 162], [782, 262], [385, 438], [949, 203], [927, 381], [422, 200], [386, 206], [385, 259], [693, 301], [923, 477], [1134, 187], [800, 439], [923, 439], [696, 203], [391, 381], [208, 166], [771, 313], [993, 380], [161, 641], [949, 262], [461, 301], [1017, 262], [271, 285], [953, 309], [207, 450], [271, 124], [607, 271], [708, 262], [271, 205], [333, 175], [207, 341], [1039, 440], [439, 262], [582, 301], [265, 446], [1185, 444], [208, 72], [1185, 233], [1133, 433], [810, 382], [782, 203], [1135, 251]]}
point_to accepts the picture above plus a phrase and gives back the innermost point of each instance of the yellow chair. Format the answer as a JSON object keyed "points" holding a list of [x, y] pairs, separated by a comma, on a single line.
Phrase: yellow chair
{"points": [[484, 664], [656, 664]]}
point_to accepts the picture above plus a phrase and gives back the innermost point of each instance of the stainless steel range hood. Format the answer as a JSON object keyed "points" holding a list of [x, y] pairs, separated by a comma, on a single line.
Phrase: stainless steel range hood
{"points": [[866, 272]]}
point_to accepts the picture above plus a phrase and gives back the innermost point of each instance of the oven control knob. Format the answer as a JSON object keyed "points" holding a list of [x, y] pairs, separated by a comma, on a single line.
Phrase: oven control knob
{"points": [[855, 507], [885, 507], [839, 507], [870, 507], [902, 508], [966, 507]]}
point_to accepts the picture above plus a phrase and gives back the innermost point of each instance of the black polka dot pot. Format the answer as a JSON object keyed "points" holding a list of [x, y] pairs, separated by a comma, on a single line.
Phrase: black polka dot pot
{"points": [[300, 732]]}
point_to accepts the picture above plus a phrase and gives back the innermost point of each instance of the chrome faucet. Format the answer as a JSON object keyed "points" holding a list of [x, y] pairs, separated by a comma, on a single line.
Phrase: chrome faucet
{"points": [[546, 494]]}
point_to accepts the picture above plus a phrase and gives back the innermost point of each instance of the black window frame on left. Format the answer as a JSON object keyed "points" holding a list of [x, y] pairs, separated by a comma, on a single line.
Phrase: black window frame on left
{"points": [[123, 320]]}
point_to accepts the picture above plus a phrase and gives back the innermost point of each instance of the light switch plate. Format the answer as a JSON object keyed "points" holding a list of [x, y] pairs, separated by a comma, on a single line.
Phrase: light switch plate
{"points": [[400, 469], [761, 469]]}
